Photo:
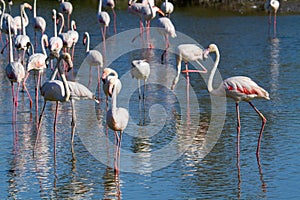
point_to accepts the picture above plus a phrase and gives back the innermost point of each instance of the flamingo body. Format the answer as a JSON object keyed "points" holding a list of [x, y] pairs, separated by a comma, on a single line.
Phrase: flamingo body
{"points": [[167, 7]]}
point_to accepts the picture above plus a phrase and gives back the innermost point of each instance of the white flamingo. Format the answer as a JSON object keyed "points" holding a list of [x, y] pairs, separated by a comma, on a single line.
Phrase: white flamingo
{"points": [[39, 23], [55, 42], [166, 28], [67, 8], [239, 88], [167, 7], [111, 4], [74, 36], [65, 37], [22, 41], [136, 9], [116, 117], [140, 70], [113, 74], [272, 6], [104, 19], [187, 53], [15, 72], [93, 58], [17, 19]]}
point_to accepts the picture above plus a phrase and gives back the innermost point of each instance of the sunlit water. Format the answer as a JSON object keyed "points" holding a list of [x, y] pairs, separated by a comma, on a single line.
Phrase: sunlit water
{"points": [[246, 49]]}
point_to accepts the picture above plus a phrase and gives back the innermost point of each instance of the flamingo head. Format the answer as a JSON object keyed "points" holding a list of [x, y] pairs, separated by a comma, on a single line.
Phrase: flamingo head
{"points": [[27, 5], [210, 49]]}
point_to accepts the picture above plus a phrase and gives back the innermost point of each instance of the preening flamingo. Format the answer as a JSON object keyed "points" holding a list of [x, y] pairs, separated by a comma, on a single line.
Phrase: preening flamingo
{"points": [[67, 8], [116, 117], [93, 58], [23, 15], [111, 4], [166, 28], [167, 7], [188, 53], [140, 70], [39, 23], [23, 41], [239, 88], [15, 72], [113, 74], [55, 42], [272, 6], [104, 19]]}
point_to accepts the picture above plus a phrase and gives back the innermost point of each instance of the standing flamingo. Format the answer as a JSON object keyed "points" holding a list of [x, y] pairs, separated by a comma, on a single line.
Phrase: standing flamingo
{"points": [[187, 53], [113, 74], [93, 58], [17, 19], [272, 6], [136, 9], [167, 7], [74, 36], [15, 72], [166, 28], [23, 41], [37, 62], [104, 19], [65, 37], [39, 23], [116, 118], [140, 70], [55, 42], [67, 8], [239, 88], [111, 4]]}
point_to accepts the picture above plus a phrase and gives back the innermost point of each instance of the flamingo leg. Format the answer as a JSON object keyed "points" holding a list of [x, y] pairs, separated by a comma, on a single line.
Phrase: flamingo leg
{"points": [[54, 128], [115, 20], [13, 93], [99, 82], [90, 77], [116, 151], [73, 122], [264, 121], [30, 99], [238, 128], [275, 24], [139, 88], [39, 126]]}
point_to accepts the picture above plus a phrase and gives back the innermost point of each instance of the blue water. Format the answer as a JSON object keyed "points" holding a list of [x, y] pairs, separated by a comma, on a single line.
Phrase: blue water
{"points": [[184, 171]]}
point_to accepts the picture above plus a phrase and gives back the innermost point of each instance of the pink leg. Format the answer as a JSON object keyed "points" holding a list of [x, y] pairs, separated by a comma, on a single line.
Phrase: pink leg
{"points": [[264, 121], [99, 82], [90, 77], [54, 128], [238, 128], [30, 99]]}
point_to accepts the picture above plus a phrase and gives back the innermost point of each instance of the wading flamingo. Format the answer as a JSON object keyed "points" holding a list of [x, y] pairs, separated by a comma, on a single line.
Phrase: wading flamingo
{"points": [[136, 9], [188, 53], [65, 37], [55, 42], [167, 7], [116, 117], [104, 19], [39, 24], [74, 36], [93, 58], [239, 88], [111, 4], [15, 72], [23, 15], [67, 8], [140, 70], [272, 6]]}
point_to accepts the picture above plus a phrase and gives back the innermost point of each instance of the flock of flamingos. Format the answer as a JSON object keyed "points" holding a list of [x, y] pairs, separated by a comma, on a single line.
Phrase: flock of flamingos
{"points": [[59, 89]]}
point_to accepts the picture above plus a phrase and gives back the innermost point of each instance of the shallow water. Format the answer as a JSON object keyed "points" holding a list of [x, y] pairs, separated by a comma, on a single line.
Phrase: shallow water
{"points": [[165, 144]]}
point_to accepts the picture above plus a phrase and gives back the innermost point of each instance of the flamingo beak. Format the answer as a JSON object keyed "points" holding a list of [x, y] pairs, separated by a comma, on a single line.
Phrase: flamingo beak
{"points": [[205, 53], [160, 12]]}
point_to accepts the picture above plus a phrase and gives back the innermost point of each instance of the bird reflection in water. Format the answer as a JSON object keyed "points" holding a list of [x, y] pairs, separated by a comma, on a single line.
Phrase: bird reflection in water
{"points": [[111, 184]]}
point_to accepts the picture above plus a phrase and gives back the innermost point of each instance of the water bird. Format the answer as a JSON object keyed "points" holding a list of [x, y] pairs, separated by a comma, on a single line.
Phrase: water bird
{"points": [[140, 70], [272, 6]]}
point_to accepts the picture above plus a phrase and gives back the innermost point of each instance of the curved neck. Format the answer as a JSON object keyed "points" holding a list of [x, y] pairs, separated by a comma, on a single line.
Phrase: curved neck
{"points": [[87, 47], [43, 41], [178, 61], [100, 6], [213, 71], [34, 9], [114, 97], [64, 80], [62, 22]]}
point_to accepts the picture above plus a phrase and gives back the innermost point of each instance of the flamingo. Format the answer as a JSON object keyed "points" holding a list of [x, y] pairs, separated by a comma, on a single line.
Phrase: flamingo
{"points": [[65, 37], [111, 4], [116, 117], [66, 7], [187, 53], [55, 43], [18, 19], [37, 62], [140, 70], [106, 73], [74, 36], [39, 23], [93, 58], [166, 28], [239, 88], [136, 9], [272, 6], [15, 72], [167, 7], [104, 19], [23, 41]]}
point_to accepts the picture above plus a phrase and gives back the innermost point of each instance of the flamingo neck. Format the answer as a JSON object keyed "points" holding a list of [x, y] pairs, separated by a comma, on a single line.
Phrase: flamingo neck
{"points": [[58, 68], [87, 48], [62, 23], [2, 14], [34, 9], [11, 55], [178, 60], [44, 39], [22, 20], [213, 71], [100, 6], [55, 27], [114, 98]]}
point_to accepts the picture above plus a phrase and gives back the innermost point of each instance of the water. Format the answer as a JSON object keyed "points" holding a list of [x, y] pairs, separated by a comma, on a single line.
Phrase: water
{"points": [[246, 49]]}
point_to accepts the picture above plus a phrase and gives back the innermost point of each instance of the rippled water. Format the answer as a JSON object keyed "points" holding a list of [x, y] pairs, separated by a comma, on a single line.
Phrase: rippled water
{"points": [[164, 121]]}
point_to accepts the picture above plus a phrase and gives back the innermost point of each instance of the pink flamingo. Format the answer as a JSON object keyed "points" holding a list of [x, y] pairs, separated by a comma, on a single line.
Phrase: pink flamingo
{"points": [[272, 5], [17, 19], [39, 23], [55, 42], [15, 72], [111, 4], [187, 53], [67, 8], [65, 37], [136, 9], [74, 36], [167, 7], [104, 19], [239, 88], [116, 117]]}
